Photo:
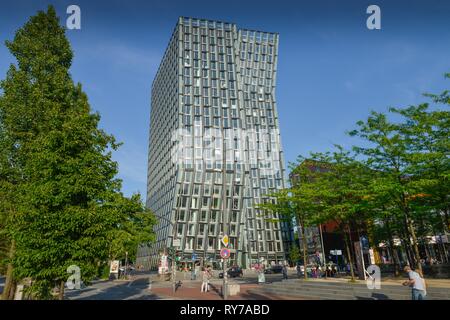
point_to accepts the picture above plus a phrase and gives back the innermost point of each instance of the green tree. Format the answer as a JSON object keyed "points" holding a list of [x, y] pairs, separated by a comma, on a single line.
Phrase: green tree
{"points": [[294, 254], [387, 153], [288, 205], [325, 187], [7, 243], [428, 137], [68, 201], [411, 158], [339, 191], [136, 228]]}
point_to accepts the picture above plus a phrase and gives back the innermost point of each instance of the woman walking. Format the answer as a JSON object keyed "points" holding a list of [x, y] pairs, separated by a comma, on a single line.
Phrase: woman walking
{"points": [[205, 278], [210, 275]]}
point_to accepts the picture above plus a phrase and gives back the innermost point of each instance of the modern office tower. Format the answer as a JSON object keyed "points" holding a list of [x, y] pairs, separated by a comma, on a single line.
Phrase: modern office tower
{"points": [[213, 103]]}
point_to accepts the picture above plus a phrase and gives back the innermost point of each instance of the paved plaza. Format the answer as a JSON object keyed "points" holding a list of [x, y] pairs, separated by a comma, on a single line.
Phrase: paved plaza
{"points": [[149, 286]]}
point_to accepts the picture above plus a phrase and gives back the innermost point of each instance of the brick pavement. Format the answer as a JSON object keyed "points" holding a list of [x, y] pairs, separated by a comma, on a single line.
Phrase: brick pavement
{"points": [[191, 291]]}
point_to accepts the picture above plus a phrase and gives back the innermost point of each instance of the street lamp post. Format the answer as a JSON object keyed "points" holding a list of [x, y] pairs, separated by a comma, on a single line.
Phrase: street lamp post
{"points": [[224, 218], [323, 249], [126, 265], [174, 271]]}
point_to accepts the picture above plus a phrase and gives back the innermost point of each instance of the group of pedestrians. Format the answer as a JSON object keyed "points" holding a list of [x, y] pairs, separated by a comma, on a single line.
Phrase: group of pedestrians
{"points": [[415, 281]]}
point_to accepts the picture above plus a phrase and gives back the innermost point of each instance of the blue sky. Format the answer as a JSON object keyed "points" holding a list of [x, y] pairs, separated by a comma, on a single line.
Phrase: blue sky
{"points": [[332, 70]]}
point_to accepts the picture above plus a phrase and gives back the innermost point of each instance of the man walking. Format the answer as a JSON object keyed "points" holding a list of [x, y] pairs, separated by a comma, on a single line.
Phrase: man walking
{"points": [[417, 284]]}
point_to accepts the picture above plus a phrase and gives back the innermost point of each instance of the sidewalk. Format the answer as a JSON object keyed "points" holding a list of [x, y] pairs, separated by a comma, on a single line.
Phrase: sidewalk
{"points": [[191, 291], [435, 283]]}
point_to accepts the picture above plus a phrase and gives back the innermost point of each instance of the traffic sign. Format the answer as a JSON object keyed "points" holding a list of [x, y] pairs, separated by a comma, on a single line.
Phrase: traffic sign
{"points": [[194, 256], [364, 242], [225, 240], [225, 253]]}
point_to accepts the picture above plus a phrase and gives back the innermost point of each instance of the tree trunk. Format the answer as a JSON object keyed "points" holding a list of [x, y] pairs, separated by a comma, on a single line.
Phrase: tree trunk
{"points": [[61, 291], [447, 222], [407, 252], [444, 251], [349, 255], [415, 246], [392, 249], [426, 248], [411, 232], [305, 250], [12, 290], [9, 272], [439, 250], [406, 240]]}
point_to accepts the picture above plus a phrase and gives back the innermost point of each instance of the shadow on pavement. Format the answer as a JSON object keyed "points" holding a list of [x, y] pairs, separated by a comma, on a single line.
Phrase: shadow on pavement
{"points": [[256, 296], [216, 290], [136, 291]]}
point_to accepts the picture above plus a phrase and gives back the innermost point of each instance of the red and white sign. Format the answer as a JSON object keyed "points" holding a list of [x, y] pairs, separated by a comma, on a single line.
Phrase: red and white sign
{"points": [[225, 253]]}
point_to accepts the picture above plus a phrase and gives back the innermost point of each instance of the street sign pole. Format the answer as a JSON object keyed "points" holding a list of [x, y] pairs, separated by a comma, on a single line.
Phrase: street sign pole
{"points": [[362, 259], [126, 265], [225, 254], [174, 270], [224, 215]]}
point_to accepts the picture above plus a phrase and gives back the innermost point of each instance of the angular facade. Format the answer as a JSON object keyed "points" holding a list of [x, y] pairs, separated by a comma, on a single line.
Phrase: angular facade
{"points": [[213, 103]]}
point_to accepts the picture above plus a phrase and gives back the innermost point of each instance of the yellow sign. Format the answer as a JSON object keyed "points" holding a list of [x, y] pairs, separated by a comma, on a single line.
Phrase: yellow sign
{"points": [[225, 240]]}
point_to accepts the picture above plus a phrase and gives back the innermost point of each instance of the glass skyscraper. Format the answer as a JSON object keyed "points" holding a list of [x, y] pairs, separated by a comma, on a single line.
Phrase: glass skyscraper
{"points": [[214, 135]]}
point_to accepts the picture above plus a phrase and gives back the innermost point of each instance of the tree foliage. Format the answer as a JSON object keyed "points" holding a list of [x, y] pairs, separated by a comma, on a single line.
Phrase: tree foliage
{"points": [[57, 174]]}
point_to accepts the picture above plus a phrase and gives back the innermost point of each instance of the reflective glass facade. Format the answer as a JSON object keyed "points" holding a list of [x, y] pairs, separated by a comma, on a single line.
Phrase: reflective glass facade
{"points": [[214, 134]]}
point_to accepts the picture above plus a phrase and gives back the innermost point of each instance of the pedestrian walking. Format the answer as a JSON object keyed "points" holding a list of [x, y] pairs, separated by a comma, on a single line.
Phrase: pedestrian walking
{"points": [[333, 271], [259, 268], [210, 275], [205, 278], [284, 271], [193, 273], [417, 284]]}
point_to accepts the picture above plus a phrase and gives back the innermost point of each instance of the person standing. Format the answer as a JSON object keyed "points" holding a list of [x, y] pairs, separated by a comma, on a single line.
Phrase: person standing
{"points": [[417, 284], [285, 272], [210, 275], [198, 269], [259, 268], [299, 270], [194, 272], [205, 280]]}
